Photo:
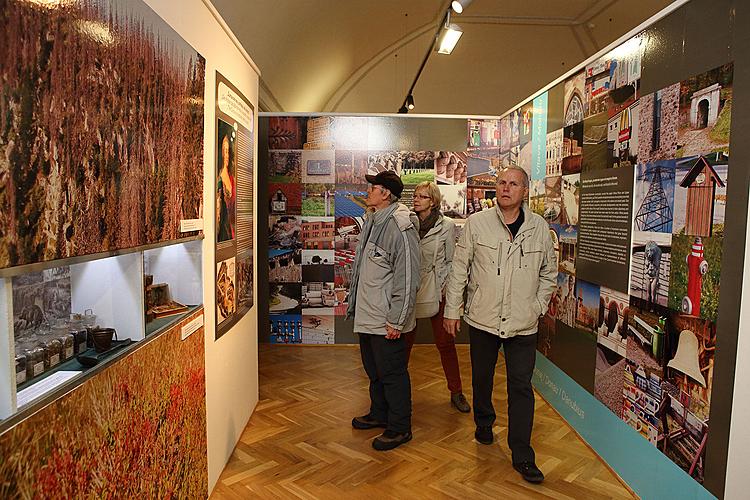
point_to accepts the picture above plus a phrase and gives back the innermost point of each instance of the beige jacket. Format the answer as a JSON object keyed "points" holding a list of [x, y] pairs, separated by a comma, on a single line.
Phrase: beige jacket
{"points": [[508, 281], [443, 235]]}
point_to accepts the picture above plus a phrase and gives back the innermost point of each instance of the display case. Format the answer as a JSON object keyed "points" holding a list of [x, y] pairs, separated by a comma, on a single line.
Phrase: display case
{"points": [[66, 320]]}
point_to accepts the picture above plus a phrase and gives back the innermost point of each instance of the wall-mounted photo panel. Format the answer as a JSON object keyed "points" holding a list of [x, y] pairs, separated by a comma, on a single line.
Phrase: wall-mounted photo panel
{"points": [[226, 290], [596, 87], [351, 166], [287, 132], [612, 322], [547, 326], [284, 198], [350, 200], [284, 166], [553, 199], [319, 134], [318, 329], [705, 112], [453, 204], [480, 197], [554, 152], [644, 372], [483, 134], [525, 123], [319, 297], [347, 231], [572, 159], [595, 143], [658, 118], [342, 279], [317, 166], [700, 195], [568, 249], [318, 233], [567, 302], [449, 167], [609, 378], [245, 280], [418, 166], [625, 74], [525, 157], [653, 199], [574, 99], [509, 131], [349, 132], [381, 161], [286, 328], [650, 268], [285, 298], [695, 275], [285, 265], [622, 137], [481, 169], [318, 200], [317, 265], [587, 308], [571, 192], [284, 231], [537, 195], [539, 136]]}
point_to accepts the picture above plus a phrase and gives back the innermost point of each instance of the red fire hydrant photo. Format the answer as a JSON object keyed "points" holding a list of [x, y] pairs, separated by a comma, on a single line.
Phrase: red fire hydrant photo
{"points": [[697, 267]]}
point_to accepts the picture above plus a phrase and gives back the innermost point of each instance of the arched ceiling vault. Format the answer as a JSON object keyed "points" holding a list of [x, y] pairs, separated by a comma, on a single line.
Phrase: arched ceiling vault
{"points": [[360, 56]]}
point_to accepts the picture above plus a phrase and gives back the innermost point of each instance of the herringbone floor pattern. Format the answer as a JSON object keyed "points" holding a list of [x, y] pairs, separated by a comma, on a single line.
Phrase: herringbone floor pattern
{"points": [[299, 442]]}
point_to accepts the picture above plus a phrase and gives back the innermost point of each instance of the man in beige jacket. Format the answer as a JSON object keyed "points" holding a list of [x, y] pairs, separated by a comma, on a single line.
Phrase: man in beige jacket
{"points": [[506, 262]]}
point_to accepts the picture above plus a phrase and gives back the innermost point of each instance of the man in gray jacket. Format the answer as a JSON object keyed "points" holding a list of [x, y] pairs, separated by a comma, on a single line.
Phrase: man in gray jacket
{"points": [[385, 277], [506, 261]]}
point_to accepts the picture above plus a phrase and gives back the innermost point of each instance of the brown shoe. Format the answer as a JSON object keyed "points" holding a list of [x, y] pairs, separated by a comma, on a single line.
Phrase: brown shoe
{"points": [[390, 439], [458, 400], [366, 422]]}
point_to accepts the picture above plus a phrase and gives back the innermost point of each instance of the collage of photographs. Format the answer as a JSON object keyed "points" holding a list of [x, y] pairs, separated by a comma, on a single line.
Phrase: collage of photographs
{"points": [[646, 341]]}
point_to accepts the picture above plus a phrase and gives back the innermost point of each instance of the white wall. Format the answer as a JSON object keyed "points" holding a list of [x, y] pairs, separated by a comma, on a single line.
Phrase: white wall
{"points": [[232, 362], [738, 459]]}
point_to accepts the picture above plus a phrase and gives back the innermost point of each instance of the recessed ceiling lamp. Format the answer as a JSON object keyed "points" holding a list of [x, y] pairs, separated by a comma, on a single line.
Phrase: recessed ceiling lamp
{"points": [[458, 6], [448, 38]]}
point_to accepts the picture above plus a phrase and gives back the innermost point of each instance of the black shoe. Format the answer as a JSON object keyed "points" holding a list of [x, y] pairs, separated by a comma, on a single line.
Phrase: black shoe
{"points": [[366, 422], [484, 435], [529, 471], [460, 403], [390, 439]]}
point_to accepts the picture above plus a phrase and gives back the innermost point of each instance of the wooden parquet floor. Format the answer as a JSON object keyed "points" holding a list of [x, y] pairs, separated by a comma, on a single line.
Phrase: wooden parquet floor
{"points": [[299, 443]]}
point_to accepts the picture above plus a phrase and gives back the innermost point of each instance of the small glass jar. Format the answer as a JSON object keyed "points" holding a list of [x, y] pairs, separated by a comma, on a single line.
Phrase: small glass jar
{"points": [[81, 337], [20, 369], [34, 362], [52, 351], [67, 341]]}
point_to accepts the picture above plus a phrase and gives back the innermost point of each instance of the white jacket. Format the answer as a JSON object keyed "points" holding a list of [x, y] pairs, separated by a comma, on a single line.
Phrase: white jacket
{"points": [[509, 281]]}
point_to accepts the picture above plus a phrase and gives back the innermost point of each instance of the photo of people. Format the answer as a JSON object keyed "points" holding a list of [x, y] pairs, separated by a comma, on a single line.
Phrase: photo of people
{"points": [[226, 189], [483, 134], [587, 307], [567, 303], [226, 297]]}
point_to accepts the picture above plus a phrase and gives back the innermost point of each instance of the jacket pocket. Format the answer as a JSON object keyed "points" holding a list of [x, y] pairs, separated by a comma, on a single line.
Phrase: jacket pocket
{"points": [[524, 306], [486, 254], [531, 256]]}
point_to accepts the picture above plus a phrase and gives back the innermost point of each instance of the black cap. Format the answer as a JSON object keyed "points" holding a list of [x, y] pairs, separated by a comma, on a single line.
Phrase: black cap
{"points": [[389, 180]]}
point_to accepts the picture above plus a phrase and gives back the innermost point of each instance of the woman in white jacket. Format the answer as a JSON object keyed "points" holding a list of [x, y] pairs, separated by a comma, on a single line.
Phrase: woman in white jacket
{"points": [[436, 242]]}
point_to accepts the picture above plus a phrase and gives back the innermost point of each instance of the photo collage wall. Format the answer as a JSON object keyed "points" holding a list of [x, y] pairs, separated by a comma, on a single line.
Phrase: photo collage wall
{"points": [[633, 187]]}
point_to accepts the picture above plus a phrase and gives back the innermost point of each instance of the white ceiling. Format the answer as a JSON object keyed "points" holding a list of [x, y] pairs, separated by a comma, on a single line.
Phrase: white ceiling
{"points": [[361, 55]]}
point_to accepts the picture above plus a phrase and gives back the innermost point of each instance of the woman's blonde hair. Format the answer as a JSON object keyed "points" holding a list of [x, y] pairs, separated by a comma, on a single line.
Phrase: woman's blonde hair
{"points": [[432, 191]]}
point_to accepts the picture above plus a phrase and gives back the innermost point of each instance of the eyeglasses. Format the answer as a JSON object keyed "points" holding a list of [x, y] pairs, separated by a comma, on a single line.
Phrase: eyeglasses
{"points": [[421, 197]]}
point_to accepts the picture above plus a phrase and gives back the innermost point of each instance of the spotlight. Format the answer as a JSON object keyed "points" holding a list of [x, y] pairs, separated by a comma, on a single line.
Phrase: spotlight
{"points": [[458, 6], [410, 101], [448, 38]]}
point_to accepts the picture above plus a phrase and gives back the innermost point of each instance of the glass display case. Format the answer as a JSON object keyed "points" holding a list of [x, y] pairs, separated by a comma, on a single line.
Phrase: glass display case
{"points": [[69, 319]]}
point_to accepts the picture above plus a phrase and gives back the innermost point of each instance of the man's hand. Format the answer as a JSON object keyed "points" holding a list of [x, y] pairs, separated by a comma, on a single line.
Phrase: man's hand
{"points": [[391, 333], [452, 326]]}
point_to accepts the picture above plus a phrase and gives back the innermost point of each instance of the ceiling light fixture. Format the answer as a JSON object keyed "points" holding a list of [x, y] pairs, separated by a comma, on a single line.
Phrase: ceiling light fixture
{"points": [[448, 38], [410, 102], [458, 6]]}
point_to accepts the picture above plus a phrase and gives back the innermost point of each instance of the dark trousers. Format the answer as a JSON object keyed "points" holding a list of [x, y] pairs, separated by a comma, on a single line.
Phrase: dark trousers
{"points": [[384, 361], [520, 357], [446, 346]]}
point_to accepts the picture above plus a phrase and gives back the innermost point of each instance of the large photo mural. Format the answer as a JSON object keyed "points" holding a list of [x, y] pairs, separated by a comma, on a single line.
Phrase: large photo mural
{"points": [[101, 129]]}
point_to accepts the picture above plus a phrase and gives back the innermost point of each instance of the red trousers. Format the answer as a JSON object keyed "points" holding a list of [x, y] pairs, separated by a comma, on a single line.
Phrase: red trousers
{"points": [[446, 347]]}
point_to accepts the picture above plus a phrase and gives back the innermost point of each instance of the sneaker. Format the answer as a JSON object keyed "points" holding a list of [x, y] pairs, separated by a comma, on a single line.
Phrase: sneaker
{"points": [[390, 439], [529, 471], [460, 403], [366, 422], [483, 434]]}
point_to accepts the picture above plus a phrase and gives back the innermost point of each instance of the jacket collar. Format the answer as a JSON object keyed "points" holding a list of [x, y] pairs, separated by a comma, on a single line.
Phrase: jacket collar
{"points": [[526, 219]]}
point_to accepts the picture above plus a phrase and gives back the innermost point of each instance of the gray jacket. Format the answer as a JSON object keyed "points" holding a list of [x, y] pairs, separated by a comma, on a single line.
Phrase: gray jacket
{"points": [[508, 283], [443, 235], [385, 274]]}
